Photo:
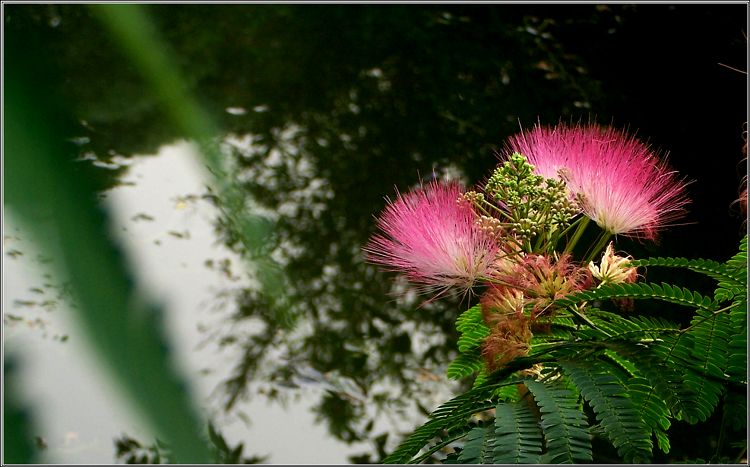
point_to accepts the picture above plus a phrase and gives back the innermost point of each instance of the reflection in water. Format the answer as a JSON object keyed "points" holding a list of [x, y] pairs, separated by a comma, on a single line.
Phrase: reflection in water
{"points": [[79, 417], [326, 109], [68, 394]]}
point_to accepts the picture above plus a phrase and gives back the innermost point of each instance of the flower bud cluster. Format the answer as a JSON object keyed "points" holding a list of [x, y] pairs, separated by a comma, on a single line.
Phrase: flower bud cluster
{"points": [[471, 197], [561, 208], [490, 226], [525, 228], [534, 203], [514, 183]]}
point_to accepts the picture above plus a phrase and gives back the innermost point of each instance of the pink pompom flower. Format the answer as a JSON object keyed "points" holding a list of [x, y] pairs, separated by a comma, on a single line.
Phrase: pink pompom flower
{"points": [[619, 182], [432, 236]]}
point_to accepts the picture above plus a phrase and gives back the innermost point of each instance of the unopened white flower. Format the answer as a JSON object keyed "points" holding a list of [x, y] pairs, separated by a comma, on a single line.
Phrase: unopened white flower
{"points": [[613, 269]]}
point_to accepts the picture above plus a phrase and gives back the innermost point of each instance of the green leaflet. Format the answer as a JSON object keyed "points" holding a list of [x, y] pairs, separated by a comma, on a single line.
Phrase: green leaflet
{"points": [[624, 365], [616, 327], [564, 425], [507, 393], [561, 329], [662, 375], [731, 276], [697, 396], [713, 269], [466, 364], [652, 409], [710, 333], [472, 328], [518, 437], [479, 446], [737, 264], [737, 346], [618, 417], [665, 292], [708, 341], [451, 415], [481, 378]]}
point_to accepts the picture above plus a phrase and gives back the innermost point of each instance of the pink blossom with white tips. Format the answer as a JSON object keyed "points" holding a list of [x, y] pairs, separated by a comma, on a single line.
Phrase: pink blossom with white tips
{"points": [[620, 182], [431, 235]]}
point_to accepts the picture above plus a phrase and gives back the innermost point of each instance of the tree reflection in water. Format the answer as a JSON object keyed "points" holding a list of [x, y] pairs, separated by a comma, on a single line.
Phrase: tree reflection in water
{"points": [[327, 108]]}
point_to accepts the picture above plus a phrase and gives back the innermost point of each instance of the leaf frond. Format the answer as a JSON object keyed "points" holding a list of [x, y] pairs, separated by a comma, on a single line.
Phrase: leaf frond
{"points": [[714, 269], [470, 324], [479, 446], [564, 425], [451, 415], [466, 364], [518, 437], [664, 292], [617, 415]]}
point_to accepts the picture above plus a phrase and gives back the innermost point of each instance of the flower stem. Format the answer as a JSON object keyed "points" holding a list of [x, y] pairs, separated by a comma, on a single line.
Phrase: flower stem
{"points": [[583, 222], [603, 238]]}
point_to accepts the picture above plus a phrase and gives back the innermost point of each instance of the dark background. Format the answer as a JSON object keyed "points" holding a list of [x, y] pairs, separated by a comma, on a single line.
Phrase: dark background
{"points": [[379, 95]]}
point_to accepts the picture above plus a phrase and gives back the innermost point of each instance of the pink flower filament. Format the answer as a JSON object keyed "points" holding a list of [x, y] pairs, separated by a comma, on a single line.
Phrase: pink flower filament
{"points": [[621, 184], [433, 237]]}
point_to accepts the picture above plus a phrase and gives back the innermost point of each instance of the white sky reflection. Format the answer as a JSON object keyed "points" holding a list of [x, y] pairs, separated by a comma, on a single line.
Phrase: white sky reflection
{"points": [[168, 233]]}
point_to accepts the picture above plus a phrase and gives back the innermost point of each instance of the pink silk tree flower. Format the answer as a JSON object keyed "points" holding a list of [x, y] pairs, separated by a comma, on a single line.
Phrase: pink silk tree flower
{"points": [[543, 279], [618, 181], [432, 236]]}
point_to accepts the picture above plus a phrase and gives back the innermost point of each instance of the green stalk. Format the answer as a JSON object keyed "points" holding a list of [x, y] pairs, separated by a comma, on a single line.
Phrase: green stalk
{"points": [[569, 227], [583, 222], [539, 239], [545, 235], [482, 207], [575, 311], [603, 239]]}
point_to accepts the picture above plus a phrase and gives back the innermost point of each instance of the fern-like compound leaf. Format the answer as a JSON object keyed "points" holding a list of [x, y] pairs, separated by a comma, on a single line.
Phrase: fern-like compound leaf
{"points": [[481, 377], [695, 397], [618, 327], [711, 335], [518, 437], [564, 425], [694, 357], [652, 409], [713, 269], [737, 346], [662, 374], [737, 265], [617, 415], [450, 416], [470, 325], [466, 364], [710, 338], [479, 446], [665, 292]]}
